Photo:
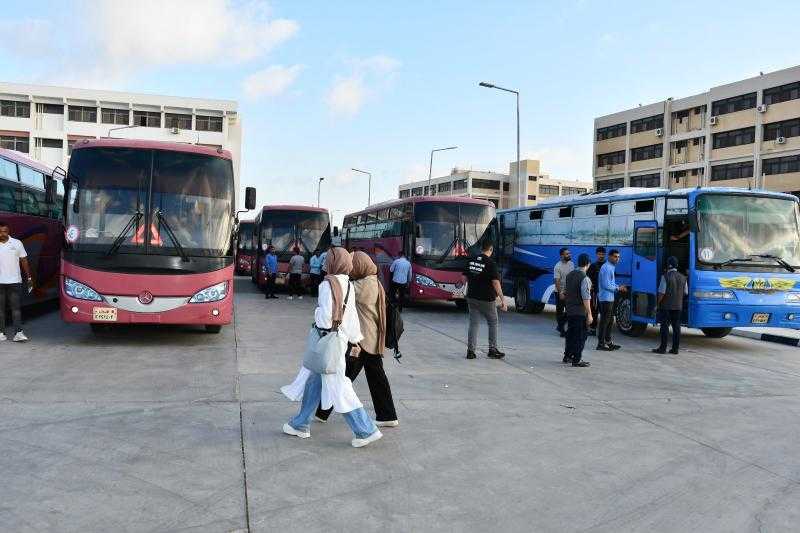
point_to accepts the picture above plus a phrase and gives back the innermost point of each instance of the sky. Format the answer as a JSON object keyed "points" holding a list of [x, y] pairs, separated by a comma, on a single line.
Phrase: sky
{"points": [[324, 86]]}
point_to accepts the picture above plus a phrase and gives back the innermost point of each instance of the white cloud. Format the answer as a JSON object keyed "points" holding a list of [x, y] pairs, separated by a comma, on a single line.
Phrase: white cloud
{"points": [[271, 81], [346, 96], [369, 76], [28, 37]]}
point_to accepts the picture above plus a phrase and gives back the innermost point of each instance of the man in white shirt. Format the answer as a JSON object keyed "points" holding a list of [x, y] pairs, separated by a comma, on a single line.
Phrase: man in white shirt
{"points": [[13, 260], [401, 279], [296, 264]]}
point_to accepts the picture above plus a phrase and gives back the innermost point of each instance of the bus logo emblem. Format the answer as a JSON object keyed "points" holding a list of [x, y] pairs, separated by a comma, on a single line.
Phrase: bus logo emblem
{"points": [[145, 297]]}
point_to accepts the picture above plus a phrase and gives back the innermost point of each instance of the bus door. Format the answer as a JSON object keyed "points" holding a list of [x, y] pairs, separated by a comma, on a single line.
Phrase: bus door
{"points": [[644, 271]]}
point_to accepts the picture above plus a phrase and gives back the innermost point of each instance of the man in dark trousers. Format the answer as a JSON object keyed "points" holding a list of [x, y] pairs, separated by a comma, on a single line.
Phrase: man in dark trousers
{"points": [[560, 271], [671, 291], [593, 272], [483, 290], [577, 296]]}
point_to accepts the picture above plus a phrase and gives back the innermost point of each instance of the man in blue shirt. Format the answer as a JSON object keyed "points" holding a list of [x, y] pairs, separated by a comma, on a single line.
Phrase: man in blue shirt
{"points": [[315, 269], [271, 271], [401, 279], [606, 294]]}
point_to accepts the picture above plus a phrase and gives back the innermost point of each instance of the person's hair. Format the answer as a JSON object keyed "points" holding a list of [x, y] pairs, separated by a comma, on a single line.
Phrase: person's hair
{"points": [[672, 262], [600, 249], [561, 251], [584, 260], [613, 251], [4, 224], [487, 245], [401, 253], [296, 250]]}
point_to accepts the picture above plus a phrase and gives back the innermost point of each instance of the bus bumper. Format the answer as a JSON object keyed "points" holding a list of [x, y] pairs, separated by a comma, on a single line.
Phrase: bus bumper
{"points": [[731, 316], [213, 313]]}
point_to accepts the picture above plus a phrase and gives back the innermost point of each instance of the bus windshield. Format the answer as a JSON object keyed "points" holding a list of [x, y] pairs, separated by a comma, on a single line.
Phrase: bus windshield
{"points": [[245, 236], [308, 230], [448, 232], [742, 229]]}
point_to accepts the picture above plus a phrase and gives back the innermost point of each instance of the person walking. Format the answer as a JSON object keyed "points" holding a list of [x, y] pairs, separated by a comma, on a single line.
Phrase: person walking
{"points": [[13, 261], [315, 269], [671, 291], [483, 290], [336, 308], [271, 272], [578, 308], [593, 273], [296, 264], [401, 279], [560, 272], [371, 308], [607, 293]]}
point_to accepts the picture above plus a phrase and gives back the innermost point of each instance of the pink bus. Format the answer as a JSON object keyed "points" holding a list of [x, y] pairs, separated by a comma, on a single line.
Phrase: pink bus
{"points": [[245, 253], [437, 234], [149, 234]]}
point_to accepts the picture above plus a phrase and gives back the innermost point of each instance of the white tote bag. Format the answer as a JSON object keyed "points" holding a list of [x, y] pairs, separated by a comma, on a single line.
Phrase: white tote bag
{"points": [[326, 349]]}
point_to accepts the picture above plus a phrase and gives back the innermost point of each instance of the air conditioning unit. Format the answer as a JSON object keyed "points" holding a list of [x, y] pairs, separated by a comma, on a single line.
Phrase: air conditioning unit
{"points": [[762, 108], [780, 140], [174, 130], [609, 167], [659, 132], [713, 120]]}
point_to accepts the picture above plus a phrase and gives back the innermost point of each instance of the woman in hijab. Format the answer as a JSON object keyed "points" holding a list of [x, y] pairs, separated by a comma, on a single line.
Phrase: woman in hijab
{"points": [[371, 307], [333, 390]]}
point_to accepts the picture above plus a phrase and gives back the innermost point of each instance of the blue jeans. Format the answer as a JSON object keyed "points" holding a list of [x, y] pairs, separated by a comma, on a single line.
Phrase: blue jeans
{"points": [[358, 420]]}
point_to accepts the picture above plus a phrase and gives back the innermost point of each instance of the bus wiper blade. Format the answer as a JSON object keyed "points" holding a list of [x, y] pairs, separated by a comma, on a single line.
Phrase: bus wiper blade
{"points": [[734, 260], [161, 218], [134, 221], [777, 259]]}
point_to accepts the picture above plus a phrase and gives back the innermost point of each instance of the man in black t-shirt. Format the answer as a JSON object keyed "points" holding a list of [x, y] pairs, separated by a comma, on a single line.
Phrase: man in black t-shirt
{"points": [[483, 289]]}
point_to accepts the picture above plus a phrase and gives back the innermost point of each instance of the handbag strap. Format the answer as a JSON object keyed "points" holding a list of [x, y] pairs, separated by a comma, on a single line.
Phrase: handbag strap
{"points": [[335, 325]]}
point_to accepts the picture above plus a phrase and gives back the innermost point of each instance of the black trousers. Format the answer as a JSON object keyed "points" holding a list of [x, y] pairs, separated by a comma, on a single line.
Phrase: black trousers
{"points": [[316, 279], [11, 293], [595, 318], [379, 388], [576, 337], [295, 284], [561, 316], [606, 322], [670, 318], [399, 294], [270, 288]]}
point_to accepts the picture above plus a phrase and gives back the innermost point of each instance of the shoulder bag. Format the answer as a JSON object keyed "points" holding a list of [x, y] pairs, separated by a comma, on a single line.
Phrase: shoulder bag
{"points": [[326, 350]]}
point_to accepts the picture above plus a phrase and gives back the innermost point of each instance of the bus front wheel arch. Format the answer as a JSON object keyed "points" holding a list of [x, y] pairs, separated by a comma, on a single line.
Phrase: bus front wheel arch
{"points": [[715, 333], [625, 324], [213, 328]]}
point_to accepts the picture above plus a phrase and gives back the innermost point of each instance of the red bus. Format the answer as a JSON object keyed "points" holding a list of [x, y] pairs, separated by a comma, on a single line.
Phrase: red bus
{"points": [[245, 252], [149, 234], [31, 201], [437, 234], [287, 227]]}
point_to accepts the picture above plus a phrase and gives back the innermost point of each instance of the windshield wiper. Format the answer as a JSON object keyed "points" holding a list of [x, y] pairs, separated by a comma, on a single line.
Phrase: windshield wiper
{"points": [[134, 221], [163, 220], [731, 261], [777, 259]]}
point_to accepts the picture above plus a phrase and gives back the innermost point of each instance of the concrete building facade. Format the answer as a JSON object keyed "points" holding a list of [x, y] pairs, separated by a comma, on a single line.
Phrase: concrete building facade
{"points": [[501, 189], [743, 134]]}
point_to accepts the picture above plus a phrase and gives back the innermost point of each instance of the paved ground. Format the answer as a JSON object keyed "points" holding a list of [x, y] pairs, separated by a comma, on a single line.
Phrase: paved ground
{"points": [[163, 429]]}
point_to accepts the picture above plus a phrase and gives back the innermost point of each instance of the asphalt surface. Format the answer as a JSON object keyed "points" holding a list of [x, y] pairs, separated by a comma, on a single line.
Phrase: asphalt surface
{"points": [[174, 429]]}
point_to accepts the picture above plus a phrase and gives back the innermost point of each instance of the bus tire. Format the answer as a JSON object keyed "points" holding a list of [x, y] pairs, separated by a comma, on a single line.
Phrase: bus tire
{"points": [[625, 324], [213, 328], [715, 333], [521, 299], [535, 307], [461, 303]]}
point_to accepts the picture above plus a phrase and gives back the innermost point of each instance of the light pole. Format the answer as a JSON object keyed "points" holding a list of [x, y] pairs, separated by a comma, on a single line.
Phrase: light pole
{"points": [[520, 197], [430, 167], [319, 185], [369, 187]]}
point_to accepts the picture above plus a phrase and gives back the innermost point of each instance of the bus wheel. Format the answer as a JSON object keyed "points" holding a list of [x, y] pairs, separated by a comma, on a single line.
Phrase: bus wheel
{"points": [[213, 328], [536, 307], [461, 303], [715, 333], [624, 322], [521, 302]]}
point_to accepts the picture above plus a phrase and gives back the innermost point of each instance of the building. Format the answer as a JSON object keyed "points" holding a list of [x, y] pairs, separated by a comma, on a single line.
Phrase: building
{"points": [[744, 134], [500, 189], [45, 122]]}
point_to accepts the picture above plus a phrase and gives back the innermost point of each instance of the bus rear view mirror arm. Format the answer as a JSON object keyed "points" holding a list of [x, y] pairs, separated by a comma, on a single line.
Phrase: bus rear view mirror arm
{"points": [[49, 190]]}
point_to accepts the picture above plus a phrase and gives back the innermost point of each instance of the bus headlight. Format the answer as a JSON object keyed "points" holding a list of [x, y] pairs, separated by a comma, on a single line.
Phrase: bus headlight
{"points": [[213, 293], [792, 297], [714, 295], [80, 291], [425, 281]]}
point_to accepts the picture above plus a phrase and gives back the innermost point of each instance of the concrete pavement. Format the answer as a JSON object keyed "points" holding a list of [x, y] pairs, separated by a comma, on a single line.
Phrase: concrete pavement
{"points": [[169, 429]]}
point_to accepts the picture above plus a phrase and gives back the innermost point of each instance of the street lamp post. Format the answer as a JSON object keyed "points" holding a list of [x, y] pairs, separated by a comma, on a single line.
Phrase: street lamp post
{"points": [[319, 186], [369, 187], [430, 167], [520, 197]]}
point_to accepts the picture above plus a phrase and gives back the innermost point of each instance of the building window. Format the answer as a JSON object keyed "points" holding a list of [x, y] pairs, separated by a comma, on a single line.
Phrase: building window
{"points": [[732, 171], [612, 158], [647, 152], [506, 187], [114, 116], [405, 193], [206, 123], [647, 124], [51, 143], [548, 190], [609, 132], [443, 187], [781, 165], [696, 141], [79, 113], [175, 120], [51, 109], [416, 191], [148, 119], [568, 191], [14, 108], [12, 142], [532, 197], [680, 115], [735, 137], [646, 180], [531, 178], [680, 146], [786, 128], [459, 185], [784, 93], [486, 184], [607, 185], [733, 104]]}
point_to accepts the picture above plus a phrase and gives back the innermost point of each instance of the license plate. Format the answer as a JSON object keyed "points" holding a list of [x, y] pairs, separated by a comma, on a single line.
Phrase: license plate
{"points": [[760, 318], [104, 314]]}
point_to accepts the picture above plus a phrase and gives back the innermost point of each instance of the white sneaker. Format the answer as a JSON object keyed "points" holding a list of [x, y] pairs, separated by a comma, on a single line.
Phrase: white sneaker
{"points": [[19, 337], [3, 337], [290, 298], [360, 443], [299, 297], [387, 423], [289, 430]]}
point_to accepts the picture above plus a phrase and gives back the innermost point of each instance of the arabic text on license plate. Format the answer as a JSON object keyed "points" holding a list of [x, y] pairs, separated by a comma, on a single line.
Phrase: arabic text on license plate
{"points": [[104, 314], [760, 318]]}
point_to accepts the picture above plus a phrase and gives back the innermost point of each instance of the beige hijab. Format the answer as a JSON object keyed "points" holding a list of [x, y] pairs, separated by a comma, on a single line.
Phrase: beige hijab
{"points": [[337, 262], [363, 266]]}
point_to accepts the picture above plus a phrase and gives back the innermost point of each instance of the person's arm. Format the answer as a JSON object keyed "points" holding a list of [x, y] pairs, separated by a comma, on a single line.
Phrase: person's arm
{"points": [[408, 281], [324, 311], [557, 279], [662, 290], [391, 267], [23, 264], [586, 296], [498, 287]]}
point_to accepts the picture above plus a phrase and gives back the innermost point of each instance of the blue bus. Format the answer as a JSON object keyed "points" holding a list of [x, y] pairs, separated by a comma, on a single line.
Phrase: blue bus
{"points": [[739, 248]]}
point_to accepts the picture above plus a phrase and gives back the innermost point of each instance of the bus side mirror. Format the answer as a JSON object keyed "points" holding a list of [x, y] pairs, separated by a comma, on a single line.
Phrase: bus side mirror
{"points": [[49, 190], [250, 198], [336, 231]]}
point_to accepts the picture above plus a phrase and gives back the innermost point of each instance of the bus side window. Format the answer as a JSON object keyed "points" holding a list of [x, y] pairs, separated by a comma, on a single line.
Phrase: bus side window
{"points": [[8, 197], [621, 223]]}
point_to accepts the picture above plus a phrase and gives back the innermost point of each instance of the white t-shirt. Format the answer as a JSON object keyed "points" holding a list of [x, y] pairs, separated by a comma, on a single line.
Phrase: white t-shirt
{"points": [[11, 252]]}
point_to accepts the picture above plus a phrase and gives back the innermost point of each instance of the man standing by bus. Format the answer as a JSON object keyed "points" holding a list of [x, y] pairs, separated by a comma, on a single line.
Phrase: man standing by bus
{"points": [[593, 273], [271, 272], [483, 289], [296, 264], [671, 291], [13, 260], [578, 296], [606, 295], [560, 272], [401, 279], [315, 269]]}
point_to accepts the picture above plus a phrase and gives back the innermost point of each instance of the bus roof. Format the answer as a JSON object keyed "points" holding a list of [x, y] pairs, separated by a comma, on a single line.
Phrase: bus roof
{"points": [[153, 145], [418, 199], [294, 208], [21, 159]]}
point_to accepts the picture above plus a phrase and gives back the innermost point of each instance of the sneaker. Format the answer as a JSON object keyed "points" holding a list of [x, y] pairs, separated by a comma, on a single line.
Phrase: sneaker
{"points": [[567, 359], [613, 346], [19, 337], [289, 430], [299, 297], [387, 423], [3, 337], [582, 364], [470, 354], [290, 297], [321, 420], [360, 443], [603, 348], [661, 351], [673, 351], [494, 353]]}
